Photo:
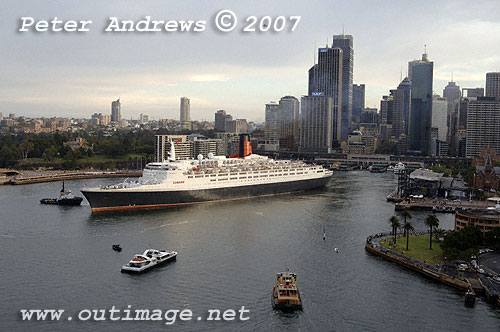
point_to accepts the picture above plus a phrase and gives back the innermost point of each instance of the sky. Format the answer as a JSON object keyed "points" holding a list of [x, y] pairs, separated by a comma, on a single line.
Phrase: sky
{"points": [[71, 74]]}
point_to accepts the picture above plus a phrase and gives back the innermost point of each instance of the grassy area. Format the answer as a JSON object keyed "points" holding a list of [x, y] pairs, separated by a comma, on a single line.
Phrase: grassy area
{"points": [[418, 248]]}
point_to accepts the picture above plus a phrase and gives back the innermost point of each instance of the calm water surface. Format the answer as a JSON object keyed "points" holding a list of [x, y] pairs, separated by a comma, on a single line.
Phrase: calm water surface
{"points": [[60, 258]]}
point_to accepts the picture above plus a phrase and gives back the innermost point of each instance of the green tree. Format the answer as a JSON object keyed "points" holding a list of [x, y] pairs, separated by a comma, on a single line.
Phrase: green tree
{"points": [[406, 215], [25, 147], [395, 224], [492, 238], [408, 227], [439, 233], [432, 222]]}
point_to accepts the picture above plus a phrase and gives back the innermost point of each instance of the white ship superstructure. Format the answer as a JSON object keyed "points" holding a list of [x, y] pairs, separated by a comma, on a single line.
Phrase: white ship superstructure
{"points": [[207, 179]]}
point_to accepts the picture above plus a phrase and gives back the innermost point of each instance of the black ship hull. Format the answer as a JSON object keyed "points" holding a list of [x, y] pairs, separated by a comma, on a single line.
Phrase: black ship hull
{"points": [[109, 200]]}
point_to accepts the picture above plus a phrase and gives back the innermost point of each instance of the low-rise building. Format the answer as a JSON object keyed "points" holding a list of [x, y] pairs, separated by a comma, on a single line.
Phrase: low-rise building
{"points": [[484, 220]]}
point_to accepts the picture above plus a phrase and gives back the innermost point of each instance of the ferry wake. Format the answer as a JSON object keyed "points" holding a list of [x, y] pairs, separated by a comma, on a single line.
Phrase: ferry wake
{"points": [[176, 182]]}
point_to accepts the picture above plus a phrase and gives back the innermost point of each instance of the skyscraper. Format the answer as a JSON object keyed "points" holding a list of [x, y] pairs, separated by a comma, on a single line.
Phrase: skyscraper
{"points": [[398, 109], [493, 85], [439, 116], [271, 130], [289, 123], [220, 119], [116, 113], [452, 94], [420, 73], [345, 42], [358, 103], [316, 124], [483, 126], [185, 111], [405, 85], [386, 111], [325, 79]]}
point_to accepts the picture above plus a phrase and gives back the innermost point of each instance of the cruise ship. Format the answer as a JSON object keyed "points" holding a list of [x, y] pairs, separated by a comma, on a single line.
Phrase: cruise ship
{"points": [[176, 182]]}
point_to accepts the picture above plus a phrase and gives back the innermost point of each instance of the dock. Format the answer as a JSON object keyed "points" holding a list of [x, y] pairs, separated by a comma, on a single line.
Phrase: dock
{"points": [[442, 205]]}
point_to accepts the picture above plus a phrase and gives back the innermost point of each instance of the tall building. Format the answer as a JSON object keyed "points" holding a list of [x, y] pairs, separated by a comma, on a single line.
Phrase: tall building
{"points": [[143, 118], [405, 85], [316, 124], [325, 79], [398, 109], [238, 126], [220, 120], [271, 130], [345, 42], [185, 113], [483, 126], [493, 85], [370, 115], [439, 116], [289, 123], [386, 112], [420, 73], [452, 94], [116, 111], [358, 103]]}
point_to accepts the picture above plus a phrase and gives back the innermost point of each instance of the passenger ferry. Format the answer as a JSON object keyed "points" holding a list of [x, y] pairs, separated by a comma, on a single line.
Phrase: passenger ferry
{"points": [[181, 182], [149, 259], [286, 295]]}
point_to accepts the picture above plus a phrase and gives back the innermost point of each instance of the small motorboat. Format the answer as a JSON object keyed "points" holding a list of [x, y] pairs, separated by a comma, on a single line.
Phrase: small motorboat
{"points": [[150, 258], [64, 198], [116, 247], [286, 295]]}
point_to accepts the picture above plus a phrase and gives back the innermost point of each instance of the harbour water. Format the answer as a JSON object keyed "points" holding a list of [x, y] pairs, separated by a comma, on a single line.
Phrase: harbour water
{"points": [[57, 257]]}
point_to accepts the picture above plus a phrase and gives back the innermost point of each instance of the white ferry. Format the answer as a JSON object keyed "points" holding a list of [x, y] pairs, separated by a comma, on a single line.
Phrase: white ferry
{"points": [[150, 258], [180, 182]]}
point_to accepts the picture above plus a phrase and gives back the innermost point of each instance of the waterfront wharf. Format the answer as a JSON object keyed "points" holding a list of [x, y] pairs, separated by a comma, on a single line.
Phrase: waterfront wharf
{"points": [[442, 205], [51, 176]]}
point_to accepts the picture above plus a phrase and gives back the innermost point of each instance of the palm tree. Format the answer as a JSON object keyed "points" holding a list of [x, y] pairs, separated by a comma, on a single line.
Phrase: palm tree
{"points": [[405, 214], [431, 221], [408, 227], [395, 224]]}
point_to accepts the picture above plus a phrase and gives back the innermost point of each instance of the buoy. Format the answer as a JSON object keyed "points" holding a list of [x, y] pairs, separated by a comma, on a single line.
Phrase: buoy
{"points": [[336, 250]]}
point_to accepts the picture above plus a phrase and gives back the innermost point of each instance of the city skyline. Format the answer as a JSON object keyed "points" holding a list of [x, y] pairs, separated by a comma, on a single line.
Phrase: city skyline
{"points": [[61, 74]]}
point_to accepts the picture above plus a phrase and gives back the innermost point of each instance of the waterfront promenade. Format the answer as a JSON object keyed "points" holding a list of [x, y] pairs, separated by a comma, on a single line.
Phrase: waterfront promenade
{"points": [[445, 272], [29, 177], [444, 204]]}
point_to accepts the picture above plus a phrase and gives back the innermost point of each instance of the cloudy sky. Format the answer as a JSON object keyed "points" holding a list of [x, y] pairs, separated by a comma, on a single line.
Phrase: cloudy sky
{"points": [[77, 74]]}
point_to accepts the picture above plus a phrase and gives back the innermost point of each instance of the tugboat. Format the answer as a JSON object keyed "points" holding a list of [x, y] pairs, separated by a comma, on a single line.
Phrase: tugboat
{"points": [[286, 295], [150, 258], [64, 198]]}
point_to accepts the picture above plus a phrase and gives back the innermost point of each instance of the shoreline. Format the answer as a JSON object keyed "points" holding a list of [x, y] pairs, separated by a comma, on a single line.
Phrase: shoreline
{"points": [[412, 264], [64, 175]]}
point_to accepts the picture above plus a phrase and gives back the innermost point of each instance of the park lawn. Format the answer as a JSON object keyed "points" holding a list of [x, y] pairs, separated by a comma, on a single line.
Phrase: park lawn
{"points": [[418, 248]]}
